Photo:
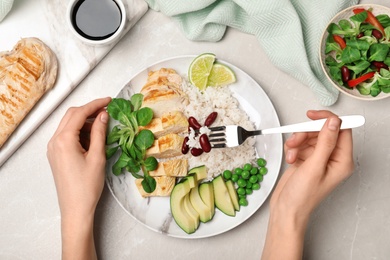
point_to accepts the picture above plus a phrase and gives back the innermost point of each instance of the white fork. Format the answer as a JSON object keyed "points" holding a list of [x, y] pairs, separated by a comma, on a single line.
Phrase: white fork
{"points": [[233, 135]]}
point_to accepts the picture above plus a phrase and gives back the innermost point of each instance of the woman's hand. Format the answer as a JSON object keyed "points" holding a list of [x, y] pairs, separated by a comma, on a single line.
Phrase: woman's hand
{"points": [[76, 154], [318, 163]]}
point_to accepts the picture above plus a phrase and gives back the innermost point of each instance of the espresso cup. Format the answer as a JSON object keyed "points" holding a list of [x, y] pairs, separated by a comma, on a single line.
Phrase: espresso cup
{"points": [[96, 22]]}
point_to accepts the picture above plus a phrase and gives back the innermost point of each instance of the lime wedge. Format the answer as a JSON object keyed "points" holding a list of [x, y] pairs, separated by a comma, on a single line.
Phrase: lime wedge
{"points": [[221, 75], [199, 70]]}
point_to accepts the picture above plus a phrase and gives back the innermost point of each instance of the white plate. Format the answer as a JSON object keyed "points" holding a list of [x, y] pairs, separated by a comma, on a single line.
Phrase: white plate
{"points": [[155, 212]]}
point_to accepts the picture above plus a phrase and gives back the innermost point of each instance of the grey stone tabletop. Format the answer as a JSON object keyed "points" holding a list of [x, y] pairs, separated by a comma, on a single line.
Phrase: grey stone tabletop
{"points": [[352, 223]]}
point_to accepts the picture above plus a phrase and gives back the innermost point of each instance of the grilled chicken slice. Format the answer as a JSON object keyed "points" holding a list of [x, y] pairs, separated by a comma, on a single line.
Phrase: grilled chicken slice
{"points": [[164, 186], [163, 75], [172, 168], [166, 146], [162, 92], [170, 122], [26, 74]]}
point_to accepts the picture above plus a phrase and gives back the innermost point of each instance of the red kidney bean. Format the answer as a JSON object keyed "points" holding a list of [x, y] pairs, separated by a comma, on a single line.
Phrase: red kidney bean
{"points": [[185, 148], [194, 123], [377, 34], [380, 65], [346, 75], [360, 35], [210, 119], [196, 151], [205, 143]]}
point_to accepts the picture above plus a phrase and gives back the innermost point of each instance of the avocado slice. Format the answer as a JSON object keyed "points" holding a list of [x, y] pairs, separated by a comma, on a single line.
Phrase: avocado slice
{"points": [[205, 213], [206, 193], [178, 210], [222, 197], [194, 215], [233, 194], [200, 172]]}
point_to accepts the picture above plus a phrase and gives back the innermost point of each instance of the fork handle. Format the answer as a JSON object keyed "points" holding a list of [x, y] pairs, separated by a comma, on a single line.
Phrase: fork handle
{"points": [[316, 125]]}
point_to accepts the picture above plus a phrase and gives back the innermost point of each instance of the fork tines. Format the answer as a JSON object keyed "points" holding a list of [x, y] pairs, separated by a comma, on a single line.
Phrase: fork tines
{"points": [[217, 138]]}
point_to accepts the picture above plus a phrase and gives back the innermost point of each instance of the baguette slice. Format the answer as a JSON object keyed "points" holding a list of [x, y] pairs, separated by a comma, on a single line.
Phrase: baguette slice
{"points": [[26, 73]]}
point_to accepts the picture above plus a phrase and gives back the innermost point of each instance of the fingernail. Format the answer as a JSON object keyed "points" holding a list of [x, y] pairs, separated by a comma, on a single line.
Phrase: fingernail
{"points": [[289, 156], [333, 124], [104, 117]]}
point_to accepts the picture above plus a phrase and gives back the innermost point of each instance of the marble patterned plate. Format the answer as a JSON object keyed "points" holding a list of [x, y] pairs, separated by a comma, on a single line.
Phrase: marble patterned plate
{"points": [[155, 212]]}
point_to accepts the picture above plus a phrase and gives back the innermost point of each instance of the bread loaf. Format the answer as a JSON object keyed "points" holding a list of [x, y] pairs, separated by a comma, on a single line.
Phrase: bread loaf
{"points": [[26, 73]]}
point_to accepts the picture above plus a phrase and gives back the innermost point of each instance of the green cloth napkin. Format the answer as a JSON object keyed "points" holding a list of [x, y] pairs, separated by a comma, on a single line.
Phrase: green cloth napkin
{"points": [[289, 31], [5, 7]]}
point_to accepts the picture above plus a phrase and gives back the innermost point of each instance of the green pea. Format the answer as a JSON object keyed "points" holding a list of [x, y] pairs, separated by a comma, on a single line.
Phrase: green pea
{"points": [[248, 184], [256, 186], [259, 177], [241, 191], [245, 174], [227, 174], [243, 202], [261, 162], [247, 167], [248, 191], [254, 171], [241, 183], [253, 179], [242, 196], [263, 170], [238, 171], [235, 177]]}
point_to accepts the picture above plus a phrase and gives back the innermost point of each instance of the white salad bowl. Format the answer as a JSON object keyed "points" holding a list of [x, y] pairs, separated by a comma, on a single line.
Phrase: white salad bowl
{"points": [[346, 14]]}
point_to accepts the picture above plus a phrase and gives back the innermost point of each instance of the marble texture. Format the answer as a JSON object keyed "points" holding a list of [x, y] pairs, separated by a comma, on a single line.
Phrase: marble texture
{"points": [[352, 223], [46, 20]]}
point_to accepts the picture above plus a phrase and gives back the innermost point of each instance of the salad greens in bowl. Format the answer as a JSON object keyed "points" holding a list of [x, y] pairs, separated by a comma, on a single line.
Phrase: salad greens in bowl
{"points": [[355, 51]]}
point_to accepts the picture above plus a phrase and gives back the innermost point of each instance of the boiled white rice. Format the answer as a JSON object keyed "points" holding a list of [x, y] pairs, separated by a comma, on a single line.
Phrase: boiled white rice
{"points": [[219, 100]]}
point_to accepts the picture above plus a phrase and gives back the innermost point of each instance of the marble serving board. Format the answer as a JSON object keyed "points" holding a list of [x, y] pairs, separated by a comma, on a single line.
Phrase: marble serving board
{"points": [[45, 19]]}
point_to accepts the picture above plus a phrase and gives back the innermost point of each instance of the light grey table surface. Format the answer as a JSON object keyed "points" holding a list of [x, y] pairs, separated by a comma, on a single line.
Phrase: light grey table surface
{"points": [[353, 223]]}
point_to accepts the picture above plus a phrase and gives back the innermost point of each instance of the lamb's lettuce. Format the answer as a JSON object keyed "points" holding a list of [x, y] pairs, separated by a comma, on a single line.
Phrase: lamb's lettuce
{"points": [[362, 49], [132, 143]]}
